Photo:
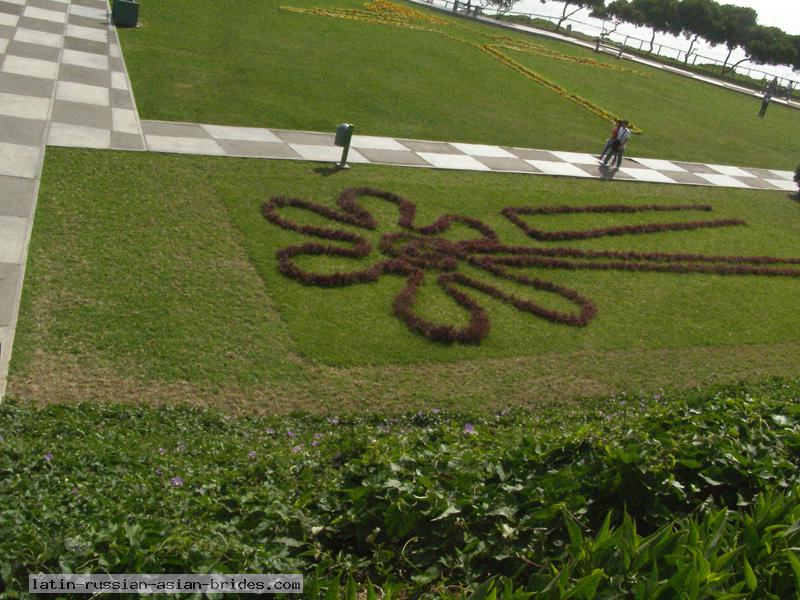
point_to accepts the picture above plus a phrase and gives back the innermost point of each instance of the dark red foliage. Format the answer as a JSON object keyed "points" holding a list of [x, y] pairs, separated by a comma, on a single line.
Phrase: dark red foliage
{"points": [[512, 214], [414, 250]]}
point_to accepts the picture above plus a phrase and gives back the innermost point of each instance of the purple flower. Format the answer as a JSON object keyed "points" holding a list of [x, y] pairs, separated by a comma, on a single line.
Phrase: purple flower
{"points": [[296, 449], [333, 420], [269, 431], [48, 457], [469, 429], [251, 455], [176, 481], [162, 451], [315, 443], [159, 472], [317, 436], [290, 433], [74, 490]]}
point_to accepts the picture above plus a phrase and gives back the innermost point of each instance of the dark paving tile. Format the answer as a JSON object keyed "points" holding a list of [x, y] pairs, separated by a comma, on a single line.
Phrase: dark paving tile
{"points": [[302, 137], [41, 25], [9, 279], [257, 149], [606, 172], [126, 141], [185, 130], [16, 198], [38, 51], [437, 147], [84, 75], [49, 5], [121, 99], [12, 83], [7, 32], [11, 9], [28, 132], [529, 154], [683, 177], [393, 157], [86, 115], [752, 182], [115, 63], [505, 164], [91, 3], [81, 45], [761, 173], [695, 167], [92, 22]]}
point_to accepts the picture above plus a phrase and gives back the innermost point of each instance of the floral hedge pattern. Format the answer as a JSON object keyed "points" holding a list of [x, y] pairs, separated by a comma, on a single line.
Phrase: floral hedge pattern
{"points": [[383, 12], [415, 252]]}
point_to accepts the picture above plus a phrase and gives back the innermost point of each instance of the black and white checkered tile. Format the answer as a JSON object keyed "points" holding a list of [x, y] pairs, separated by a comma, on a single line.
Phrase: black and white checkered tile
{"points": [[216, 140]]}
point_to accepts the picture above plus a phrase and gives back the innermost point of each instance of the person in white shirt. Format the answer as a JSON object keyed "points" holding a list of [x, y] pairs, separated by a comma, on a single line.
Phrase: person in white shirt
{"points": [[618, 147]]}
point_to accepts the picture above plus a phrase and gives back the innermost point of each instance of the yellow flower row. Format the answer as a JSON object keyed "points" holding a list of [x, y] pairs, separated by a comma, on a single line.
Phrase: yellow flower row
{"points": [[384, 6], [509, 43], [532, 75]]}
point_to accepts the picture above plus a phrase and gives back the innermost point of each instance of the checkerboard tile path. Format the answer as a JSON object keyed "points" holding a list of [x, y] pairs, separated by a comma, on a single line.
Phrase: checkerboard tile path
{"points": [[63, 82]]}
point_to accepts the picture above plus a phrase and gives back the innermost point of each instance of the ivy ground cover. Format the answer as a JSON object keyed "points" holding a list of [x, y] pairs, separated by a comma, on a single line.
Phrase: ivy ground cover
{"points": [[172, 283], [391, 72], [691, 495]]}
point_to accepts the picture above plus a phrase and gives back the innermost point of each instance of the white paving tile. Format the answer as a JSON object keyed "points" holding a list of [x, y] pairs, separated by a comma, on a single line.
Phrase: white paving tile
{"points": [[87, 11], [32, 67], [783, 174], [163, 143], [576, 158], [75, 136], [80, 92], [26, 107], [41, 38], [46, 15], [660, 165], [731, 171], [558, 168], [453, 161], [119, 81], [113, 50], [3, 45], [8, 20], [85, 59], [723, 180], [482, 150], [87, 33], [124, 120], [646, 175], [244, 134], [789, 186], [13, 232], [19, 161], [327, 153], [17, 2], [371, 142]]}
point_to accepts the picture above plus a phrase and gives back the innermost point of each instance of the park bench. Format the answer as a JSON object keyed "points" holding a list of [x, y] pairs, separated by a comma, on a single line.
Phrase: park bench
{"points": [[604, 44]]}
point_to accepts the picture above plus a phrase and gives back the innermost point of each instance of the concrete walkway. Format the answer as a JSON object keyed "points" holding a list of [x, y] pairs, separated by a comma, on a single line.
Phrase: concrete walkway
{"points": [[63, 82]]}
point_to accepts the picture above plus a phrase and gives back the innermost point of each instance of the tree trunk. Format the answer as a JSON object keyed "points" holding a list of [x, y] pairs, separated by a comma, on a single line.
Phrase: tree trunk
{"points": [[725, 64], [689, 51], [733, 66], [565, 16], [652, 41]]}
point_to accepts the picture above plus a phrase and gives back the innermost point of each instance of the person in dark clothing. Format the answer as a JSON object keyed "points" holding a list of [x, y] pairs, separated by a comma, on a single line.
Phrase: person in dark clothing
{"points": [[764, 104]]}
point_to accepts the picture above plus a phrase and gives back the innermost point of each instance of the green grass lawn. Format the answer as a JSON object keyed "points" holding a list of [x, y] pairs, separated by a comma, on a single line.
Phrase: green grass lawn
{"points": [[255, 64], [166, 287]]}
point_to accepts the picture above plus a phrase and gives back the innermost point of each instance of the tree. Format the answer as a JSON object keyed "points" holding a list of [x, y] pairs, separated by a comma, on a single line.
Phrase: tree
{"points": [[736, 23], [659, 15], [699, 19], [597, 7], [769, 46]]}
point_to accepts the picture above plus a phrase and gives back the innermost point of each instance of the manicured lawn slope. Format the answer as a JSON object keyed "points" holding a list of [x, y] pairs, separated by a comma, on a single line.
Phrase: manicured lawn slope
{"points": [[632, 496], [170, 282], [255, 64]]}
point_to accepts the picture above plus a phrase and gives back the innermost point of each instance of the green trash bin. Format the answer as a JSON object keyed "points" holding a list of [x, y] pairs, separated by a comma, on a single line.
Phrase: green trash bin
{"points": [[125, 13]]}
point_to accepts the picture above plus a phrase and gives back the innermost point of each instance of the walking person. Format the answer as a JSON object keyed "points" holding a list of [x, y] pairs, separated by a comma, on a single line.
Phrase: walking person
{"points": [[618, 145], [765, 103], [610, 140]]}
